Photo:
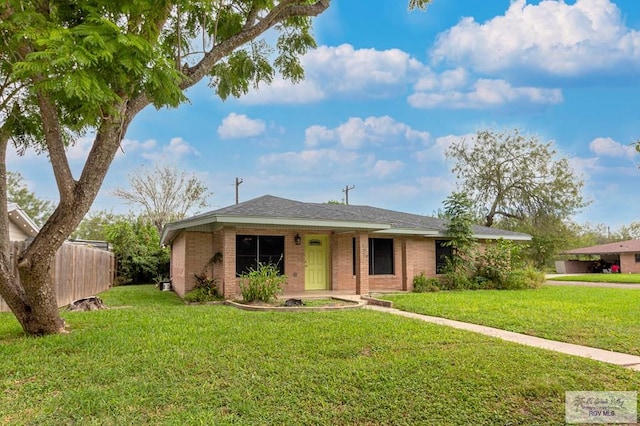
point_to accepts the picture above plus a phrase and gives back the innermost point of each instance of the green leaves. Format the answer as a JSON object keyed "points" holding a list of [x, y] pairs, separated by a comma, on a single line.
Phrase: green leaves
{"points": [[242, 69], [509, 175], [136, 245], [263, 283]]}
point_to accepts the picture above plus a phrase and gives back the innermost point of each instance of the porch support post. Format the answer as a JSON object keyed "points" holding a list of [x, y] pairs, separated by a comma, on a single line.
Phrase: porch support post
{"points": [[229, 282], [404, 266], [362, 263]]}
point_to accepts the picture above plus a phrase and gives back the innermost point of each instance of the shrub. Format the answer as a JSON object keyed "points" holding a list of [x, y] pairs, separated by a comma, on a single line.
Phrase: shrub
{"points": [[457, 279], [524, 278], [422, 284], [204, 290], [263, 283]]}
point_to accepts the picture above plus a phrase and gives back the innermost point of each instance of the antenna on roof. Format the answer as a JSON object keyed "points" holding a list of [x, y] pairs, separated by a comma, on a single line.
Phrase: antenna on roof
{"points": [[238, 182], [346, 193]]}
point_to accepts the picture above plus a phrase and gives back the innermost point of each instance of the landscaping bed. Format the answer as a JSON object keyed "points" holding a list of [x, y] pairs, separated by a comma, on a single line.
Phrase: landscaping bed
{"points": [[296, 304]]}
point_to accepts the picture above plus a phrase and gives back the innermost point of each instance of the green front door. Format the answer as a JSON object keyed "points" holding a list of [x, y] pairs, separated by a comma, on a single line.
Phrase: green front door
{"points": [[316, 267]]}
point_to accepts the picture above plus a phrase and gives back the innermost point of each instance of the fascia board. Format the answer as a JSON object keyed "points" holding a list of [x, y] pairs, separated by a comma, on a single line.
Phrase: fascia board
{"points": [[23, 220], [403, 231], [307, 223]]}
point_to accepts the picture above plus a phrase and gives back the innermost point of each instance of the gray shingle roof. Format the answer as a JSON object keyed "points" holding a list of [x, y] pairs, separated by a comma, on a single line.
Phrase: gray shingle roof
{"points": [[269, 207], [629, 246]]}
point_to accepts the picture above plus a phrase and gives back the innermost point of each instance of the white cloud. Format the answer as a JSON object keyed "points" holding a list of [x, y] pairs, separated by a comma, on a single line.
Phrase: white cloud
{"points": [[482, 94], [340, 71], [356, 132], [435, 152], [552, 37], [235, 126], [309, 160], [315, 135], [176, 149], [609, 147], [130, 146], [582, 166], [281, 91], [80, 149], [383, 168], [345, 69], [436, 184]]}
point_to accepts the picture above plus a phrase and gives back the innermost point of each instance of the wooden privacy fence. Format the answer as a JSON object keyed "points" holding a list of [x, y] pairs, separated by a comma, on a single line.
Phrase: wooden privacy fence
{"points": [[78, 271]]}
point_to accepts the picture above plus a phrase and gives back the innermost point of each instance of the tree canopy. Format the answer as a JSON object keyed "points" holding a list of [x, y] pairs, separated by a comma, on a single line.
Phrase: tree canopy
{"points": [[165, 193], [509, 175]]}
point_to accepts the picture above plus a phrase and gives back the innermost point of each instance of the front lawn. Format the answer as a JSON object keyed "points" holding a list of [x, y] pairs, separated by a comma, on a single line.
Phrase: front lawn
{"points": [[606, 318], [158, 361], [601, 278]]}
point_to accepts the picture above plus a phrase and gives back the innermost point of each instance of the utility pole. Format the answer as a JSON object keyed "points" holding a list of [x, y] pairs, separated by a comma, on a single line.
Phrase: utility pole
{"points": [[238, 182], [346, 193]]}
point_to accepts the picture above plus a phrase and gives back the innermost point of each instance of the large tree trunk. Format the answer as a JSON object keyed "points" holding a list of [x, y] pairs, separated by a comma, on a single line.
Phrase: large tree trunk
{"points": [[39, 315], [31, 295]]}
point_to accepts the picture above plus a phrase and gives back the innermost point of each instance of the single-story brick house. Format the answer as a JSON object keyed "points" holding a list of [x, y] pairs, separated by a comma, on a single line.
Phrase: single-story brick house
{"points": [[335, 247], [625, 254]]}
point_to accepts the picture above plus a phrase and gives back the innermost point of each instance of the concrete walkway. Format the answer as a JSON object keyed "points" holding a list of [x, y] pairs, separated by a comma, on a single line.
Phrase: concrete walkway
{"points": [[623, 360]]}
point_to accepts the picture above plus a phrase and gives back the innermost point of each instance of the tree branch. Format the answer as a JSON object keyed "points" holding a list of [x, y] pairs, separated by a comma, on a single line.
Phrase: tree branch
{"points": [[55, 147], [284, 10]]}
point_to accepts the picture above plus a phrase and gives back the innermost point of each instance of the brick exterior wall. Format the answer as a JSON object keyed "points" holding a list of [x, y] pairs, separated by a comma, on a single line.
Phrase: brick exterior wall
{"points": [[342, 277], [178, 256], [628, 264], [192, 252]]}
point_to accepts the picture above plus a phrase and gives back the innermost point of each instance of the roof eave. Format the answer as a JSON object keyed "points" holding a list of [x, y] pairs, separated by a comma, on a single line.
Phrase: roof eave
{"points": [[21, 218]]}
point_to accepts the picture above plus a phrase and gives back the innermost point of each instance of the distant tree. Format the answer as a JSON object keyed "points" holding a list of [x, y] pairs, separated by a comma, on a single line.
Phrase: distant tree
{"points": [[93, 226], [550, 236], [165, 193], [512, 176], [334, 202], [588, 234], [140, 258], [628, 232], [17, 192]]}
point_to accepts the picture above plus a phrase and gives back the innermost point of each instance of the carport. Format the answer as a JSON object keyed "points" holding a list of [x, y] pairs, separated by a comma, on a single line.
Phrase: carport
{"points": [[625, 254]]}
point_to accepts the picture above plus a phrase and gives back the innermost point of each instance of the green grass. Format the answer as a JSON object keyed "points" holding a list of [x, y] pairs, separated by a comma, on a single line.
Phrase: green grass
{"points": [[601, 278], [158, 361], [606, 318]]}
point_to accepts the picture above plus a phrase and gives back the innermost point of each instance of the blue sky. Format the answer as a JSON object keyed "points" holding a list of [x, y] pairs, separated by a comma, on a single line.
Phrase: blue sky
{"points": [[388, 90]]}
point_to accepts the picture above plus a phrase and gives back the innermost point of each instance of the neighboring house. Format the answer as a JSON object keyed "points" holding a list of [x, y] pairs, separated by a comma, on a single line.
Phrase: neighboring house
{"points": [[335, 247], [625, 254], [21, 227]]}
